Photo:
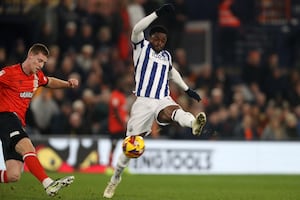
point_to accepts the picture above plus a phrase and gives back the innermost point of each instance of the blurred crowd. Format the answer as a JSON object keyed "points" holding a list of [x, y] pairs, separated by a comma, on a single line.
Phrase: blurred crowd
{"points": [[90, 40]]}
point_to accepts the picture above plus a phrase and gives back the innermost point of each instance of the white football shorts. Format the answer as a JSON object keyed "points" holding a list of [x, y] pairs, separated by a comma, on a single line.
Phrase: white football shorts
{"points": [[143, 113]]}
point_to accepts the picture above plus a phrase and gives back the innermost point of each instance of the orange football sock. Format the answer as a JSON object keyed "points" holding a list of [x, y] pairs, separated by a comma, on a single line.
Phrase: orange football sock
{"points": [[34, 166]]}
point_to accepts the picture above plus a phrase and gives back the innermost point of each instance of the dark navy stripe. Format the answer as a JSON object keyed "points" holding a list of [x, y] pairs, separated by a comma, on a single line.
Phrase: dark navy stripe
{"points": [[161, 79], [137, 63], [168, 55], [169, 58], [143, 71], [152, 76], [167, 88]]}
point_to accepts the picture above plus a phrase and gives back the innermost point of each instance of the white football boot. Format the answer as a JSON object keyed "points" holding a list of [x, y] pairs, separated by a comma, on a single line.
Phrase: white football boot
{"points": [[110, 189], [199, 123], [56, 185]]}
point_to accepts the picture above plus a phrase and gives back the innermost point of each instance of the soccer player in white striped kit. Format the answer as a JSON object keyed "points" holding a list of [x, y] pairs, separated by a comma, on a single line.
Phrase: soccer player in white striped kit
{"points": [[153, 70]]}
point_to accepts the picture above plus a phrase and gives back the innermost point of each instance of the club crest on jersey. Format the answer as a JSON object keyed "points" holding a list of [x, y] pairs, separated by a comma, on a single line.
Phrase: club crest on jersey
{"points": [[160, 56], [26, 94]]}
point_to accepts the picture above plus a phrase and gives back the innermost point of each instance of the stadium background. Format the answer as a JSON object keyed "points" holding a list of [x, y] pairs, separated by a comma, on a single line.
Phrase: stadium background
{"points": [[247, 72]]}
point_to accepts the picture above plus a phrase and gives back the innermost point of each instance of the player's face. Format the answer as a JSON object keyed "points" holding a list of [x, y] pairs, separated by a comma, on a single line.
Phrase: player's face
{"points": [[37, 62], [158, 41]]}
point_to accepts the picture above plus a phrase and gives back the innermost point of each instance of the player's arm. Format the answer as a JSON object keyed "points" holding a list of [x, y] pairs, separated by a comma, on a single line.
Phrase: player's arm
{"points": [[137, 34], [176, 78], [56, 83]]}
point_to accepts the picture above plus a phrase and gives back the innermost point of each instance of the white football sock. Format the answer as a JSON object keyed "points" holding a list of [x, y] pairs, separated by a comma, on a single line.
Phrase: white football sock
{"points": [[184, 119], [46, 182], [123, 162]]}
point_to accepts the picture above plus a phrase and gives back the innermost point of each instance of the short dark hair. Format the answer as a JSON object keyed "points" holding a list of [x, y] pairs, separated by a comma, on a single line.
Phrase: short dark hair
{"points": [[158, 29], [39, 48]]}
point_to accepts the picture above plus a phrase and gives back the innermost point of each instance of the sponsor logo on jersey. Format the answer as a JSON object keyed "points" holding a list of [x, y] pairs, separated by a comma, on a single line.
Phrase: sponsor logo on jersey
{"points": [[26, 94], [160, 56]]}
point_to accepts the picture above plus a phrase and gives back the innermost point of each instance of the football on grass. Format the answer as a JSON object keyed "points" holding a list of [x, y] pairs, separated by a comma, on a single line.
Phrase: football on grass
{"points": [[133, 146]]}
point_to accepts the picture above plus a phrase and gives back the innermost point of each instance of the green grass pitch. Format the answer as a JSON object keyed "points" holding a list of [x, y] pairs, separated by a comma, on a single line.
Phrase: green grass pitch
{"points": [[163, 187]]}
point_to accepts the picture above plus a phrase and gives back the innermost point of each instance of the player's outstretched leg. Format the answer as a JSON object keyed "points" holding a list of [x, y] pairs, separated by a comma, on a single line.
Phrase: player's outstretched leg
{"points": [[199, 123], [56, 185], [110, 188], [123, 162]]}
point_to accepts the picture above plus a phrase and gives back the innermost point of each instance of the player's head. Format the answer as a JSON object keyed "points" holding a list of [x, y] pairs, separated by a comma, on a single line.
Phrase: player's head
{"points": [[158, 37], [37, 56]]}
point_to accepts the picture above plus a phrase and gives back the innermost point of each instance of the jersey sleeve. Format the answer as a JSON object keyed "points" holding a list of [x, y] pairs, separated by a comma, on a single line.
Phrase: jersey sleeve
{"points": [[4, 77], [43, 80]]}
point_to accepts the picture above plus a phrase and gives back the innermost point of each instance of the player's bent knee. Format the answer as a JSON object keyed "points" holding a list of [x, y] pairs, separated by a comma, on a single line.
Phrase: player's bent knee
{"points": [[13, 177]]}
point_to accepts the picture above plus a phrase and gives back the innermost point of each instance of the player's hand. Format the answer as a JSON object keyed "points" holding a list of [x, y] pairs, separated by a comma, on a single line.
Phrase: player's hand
{"points": [[193, 94], [73, 83], [166, 9]]}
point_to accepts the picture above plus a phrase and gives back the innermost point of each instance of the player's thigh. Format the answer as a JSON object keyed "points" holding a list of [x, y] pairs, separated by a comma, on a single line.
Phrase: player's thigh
{"points": [[141, 117], [165, 108]]}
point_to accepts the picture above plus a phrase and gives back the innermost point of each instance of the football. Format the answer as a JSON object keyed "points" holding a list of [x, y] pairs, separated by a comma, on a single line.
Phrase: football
{"points": [[133, 146]]}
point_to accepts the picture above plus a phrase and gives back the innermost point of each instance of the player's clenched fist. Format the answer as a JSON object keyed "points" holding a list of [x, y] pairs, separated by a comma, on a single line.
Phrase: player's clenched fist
{"points": [[166, 9], [73, 83]]}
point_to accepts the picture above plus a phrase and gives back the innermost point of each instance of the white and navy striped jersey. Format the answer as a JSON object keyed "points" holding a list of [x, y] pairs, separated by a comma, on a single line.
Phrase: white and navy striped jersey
{"points": [[151, 71]]}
